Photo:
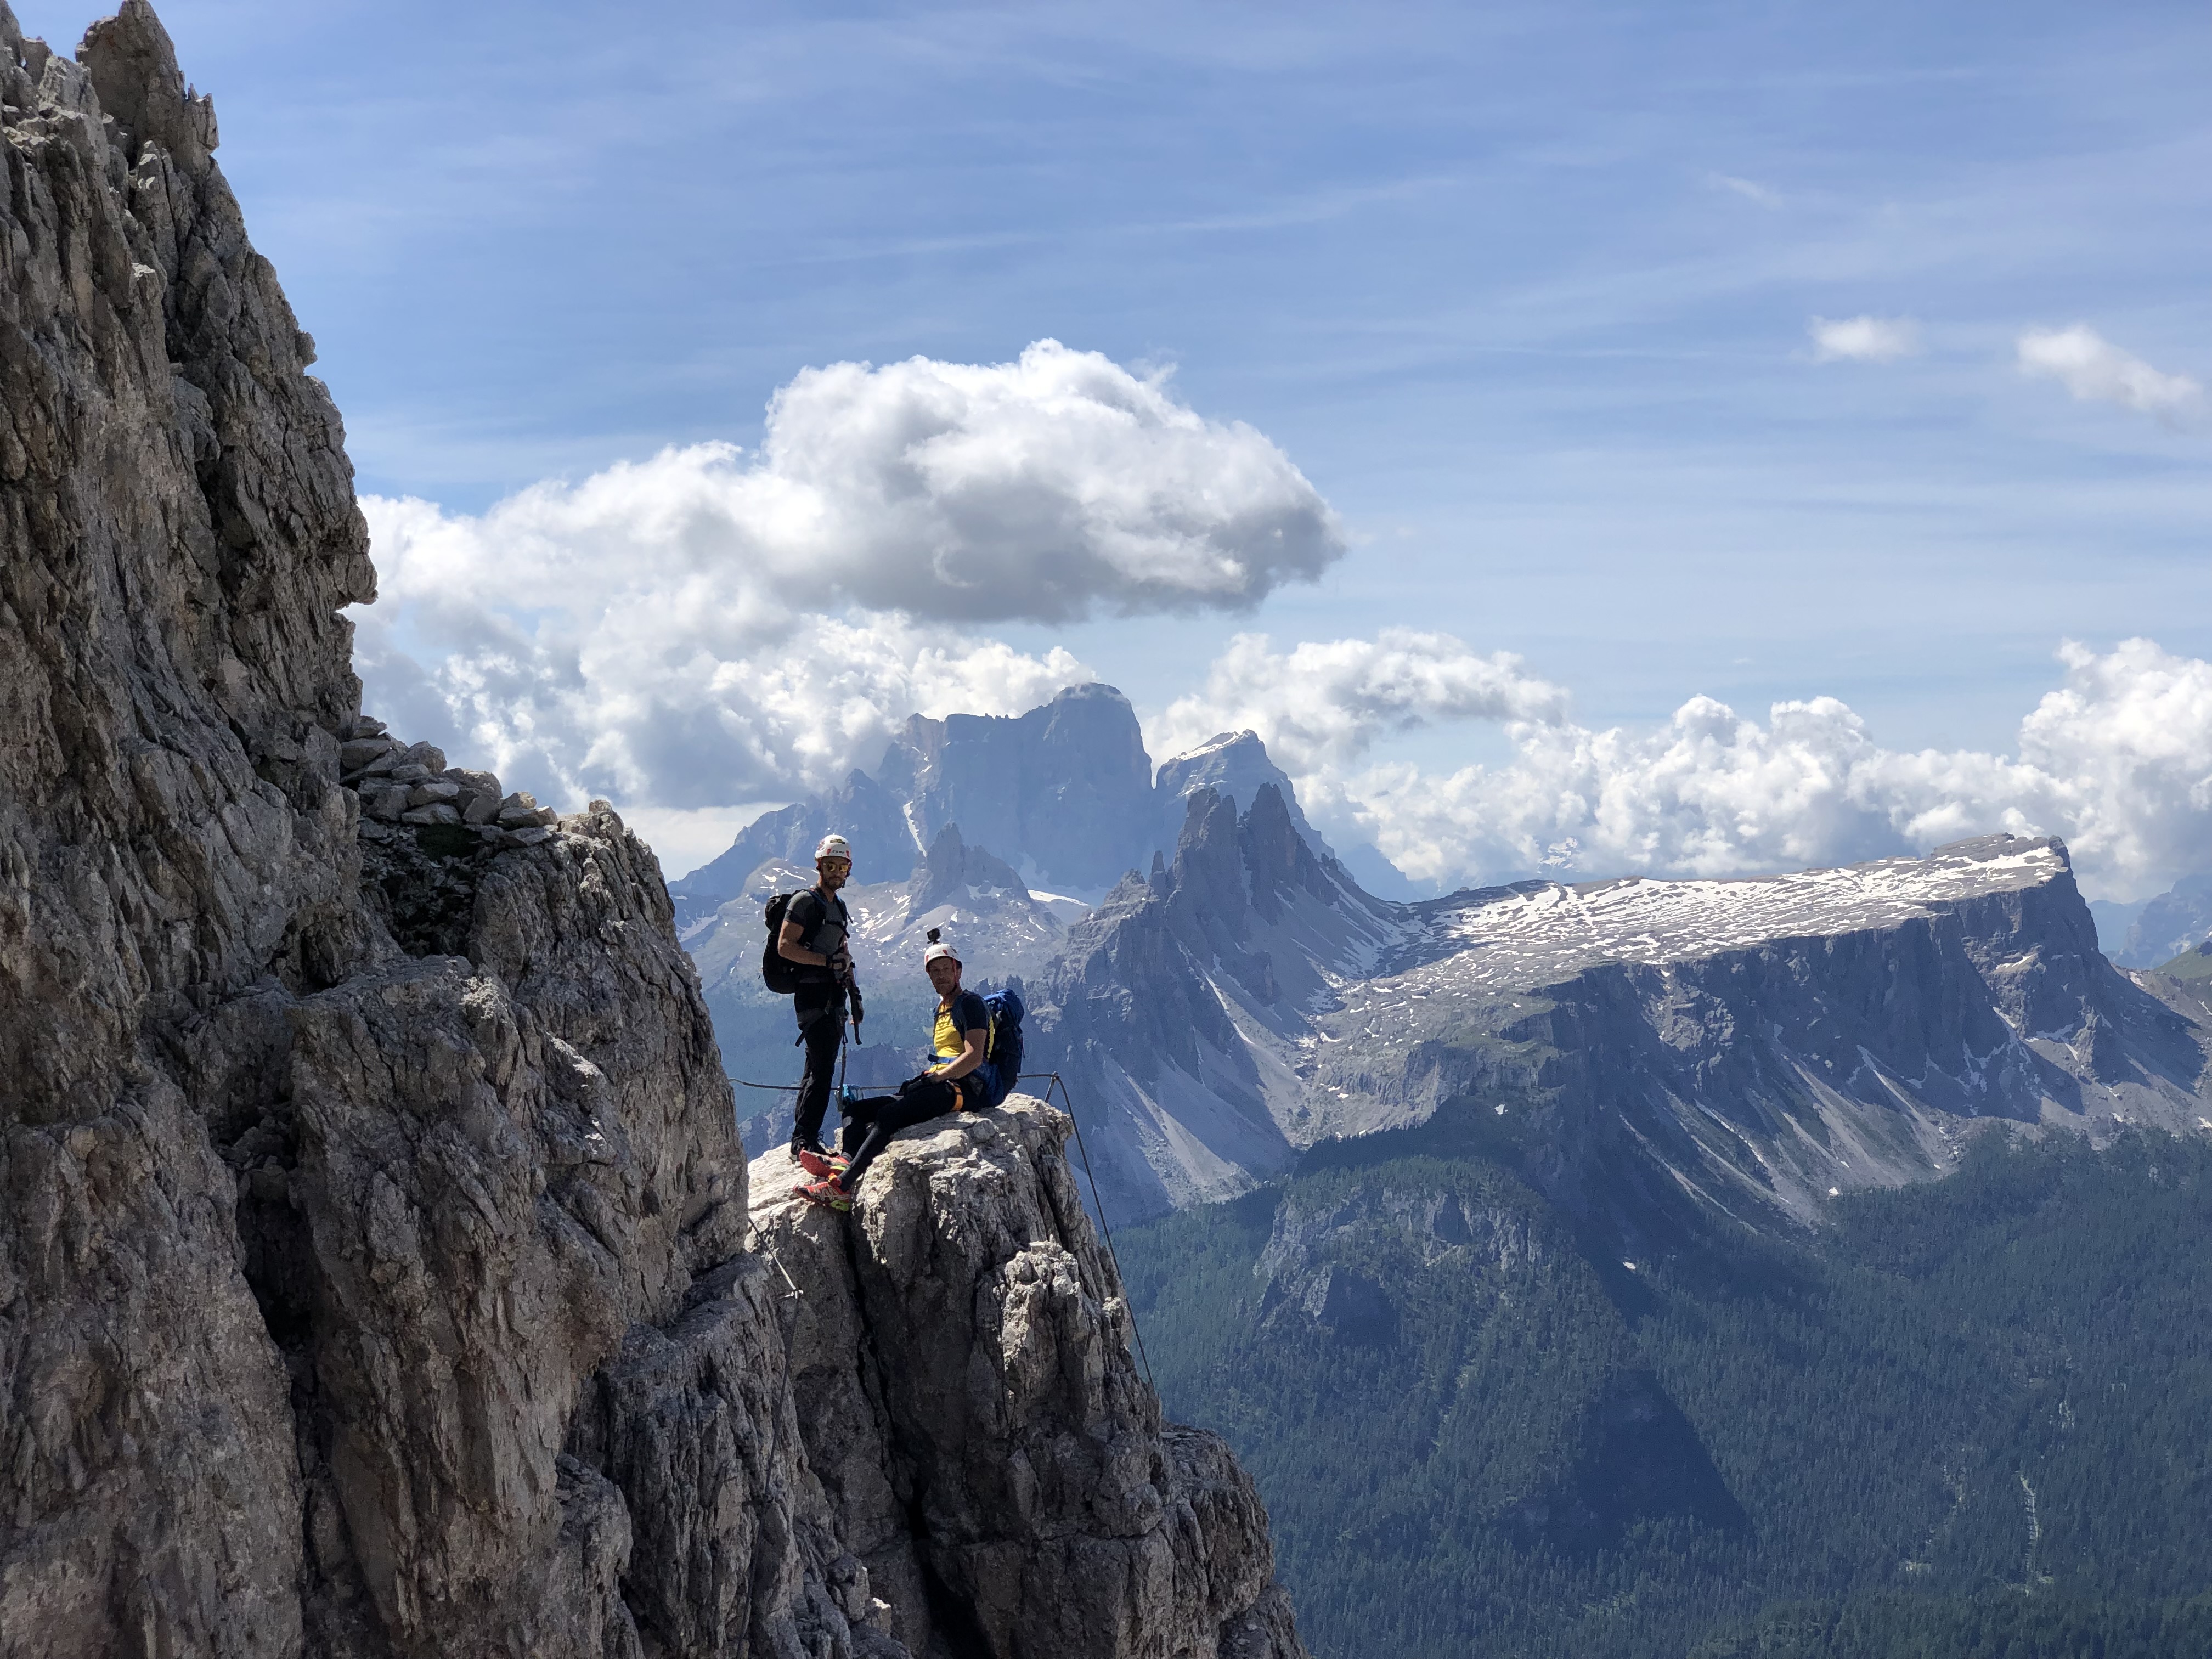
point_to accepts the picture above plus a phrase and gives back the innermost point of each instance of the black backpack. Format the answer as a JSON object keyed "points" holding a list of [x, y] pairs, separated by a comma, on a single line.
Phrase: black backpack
{"points": [[782, 974], [778, 972]]}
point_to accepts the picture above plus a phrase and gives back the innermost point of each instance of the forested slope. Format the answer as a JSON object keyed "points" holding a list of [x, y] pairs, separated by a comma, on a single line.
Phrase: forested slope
{"points": [[1479, 1428]]}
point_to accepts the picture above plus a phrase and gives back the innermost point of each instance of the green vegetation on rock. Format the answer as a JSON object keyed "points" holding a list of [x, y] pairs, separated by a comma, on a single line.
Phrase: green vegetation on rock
{"points": [[2190, 964], [1481, 1425]]}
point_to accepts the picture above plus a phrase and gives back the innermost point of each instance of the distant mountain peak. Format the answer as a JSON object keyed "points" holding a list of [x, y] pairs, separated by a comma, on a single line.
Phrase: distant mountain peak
{"points": [[1220, 741], [1236, 764], [1066, 793], [953, 869]]}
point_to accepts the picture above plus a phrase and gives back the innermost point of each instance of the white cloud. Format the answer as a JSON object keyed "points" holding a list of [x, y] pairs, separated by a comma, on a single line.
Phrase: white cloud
{"points": [[2094, 370], [2128, 741], [643, 698], [1749, 189], [684, 838], [1321, 705], [2119, 760], [1863, 339], [703, 628], [1709, 793]]}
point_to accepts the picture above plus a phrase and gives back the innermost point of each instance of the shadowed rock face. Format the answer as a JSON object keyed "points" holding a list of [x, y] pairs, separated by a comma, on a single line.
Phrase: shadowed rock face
{"points": [[1067, 785], [1757, 1043], [1065, 790], [1176, 1011], [374, 1276]]}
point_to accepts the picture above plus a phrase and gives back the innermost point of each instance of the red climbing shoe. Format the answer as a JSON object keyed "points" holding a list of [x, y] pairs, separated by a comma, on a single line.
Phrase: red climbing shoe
{"points": [[821, 1164], [830, 1193]]}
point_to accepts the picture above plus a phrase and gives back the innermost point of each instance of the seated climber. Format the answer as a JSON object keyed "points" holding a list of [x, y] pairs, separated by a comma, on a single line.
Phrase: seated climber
{"points": [[957, 1081]]}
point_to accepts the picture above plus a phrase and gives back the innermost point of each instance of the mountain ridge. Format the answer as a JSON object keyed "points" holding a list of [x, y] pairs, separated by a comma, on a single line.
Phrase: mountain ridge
{"points": [[1066, 793], [1756, 1041]]}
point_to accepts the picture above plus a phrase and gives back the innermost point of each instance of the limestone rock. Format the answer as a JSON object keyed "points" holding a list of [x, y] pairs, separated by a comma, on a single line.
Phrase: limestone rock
{"points": [[374, 1267], [962, 1364]]}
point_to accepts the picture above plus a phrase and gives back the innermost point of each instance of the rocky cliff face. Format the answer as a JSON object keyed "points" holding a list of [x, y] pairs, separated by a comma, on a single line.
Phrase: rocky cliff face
{"points": [[373, 1265], [1064, 793], [1177, 1012], [1067, 786], [1754, 1044], [1761, 1044], [961, 1350]]}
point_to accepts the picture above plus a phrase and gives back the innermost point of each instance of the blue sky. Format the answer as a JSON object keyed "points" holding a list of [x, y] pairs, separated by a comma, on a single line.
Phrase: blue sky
{"points": [[1523, 290]]}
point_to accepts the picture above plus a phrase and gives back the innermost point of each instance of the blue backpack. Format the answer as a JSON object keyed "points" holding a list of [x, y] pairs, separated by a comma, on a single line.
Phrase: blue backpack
{"points": [[1003, 1057]]}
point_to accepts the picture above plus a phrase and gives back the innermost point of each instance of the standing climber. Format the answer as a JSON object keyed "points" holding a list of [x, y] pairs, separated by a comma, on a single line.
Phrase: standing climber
{"points": [[955, 1081], [814, 940]]}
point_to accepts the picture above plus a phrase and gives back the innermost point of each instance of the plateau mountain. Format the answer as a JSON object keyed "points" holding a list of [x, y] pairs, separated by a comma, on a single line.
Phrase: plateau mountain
{"points": [[1605, 1218], [1754, 1046]]}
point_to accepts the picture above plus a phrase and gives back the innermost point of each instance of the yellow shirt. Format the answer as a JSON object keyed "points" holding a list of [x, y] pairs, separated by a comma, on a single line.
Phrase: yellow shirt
{"points": [[950, 1039]]}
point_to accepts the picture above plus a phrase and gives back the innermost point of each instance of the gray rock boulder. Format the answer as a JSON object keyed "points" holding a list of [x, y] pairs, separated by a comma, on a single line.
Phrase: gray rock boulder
{"points": [[961, 1354]]}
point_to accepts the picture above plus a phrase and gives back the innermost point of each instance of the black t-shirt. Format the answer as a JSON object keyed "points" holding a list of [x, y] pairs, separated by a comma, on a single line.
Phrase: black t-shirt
{"points": [[820, 928], [966, 1014]]}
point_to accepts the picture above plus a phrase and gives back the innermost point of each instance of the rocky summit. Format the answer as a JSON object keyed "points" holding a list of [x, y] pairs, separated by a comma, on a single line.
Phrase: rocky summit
{"points": [[377, 1273], [1064, 793], [963, 1328]]}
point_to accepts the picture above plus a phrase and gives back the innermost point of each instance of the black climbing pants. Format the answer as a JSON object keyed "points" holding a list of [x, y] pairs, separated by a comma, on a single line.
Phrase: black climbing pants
{"points": [[821, 1028], [870, 1123]]}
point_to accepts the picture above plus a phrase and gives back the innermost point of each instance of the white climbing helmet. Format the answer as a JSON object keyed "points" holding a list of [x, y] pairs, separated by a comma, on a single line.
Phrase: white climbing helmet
{"points": [[833, 847], [938, 952]]}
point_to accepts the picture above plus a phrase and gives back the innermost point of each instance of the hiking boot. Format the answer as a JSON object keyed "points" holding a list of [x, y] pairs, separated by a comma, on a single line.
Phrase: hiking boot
{"points": [[821, 1164], [828, 1193]]}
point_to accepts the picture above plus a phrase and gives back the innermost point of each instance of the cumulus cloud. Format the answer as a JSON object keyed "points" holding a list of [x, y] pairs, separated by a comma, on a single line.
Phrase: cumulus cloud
{"points": [[2119, 760], [1322, 705], [627, 700], [2128, 745], [706, 627], [1863, 339], [2093, 369], [1709, 793]]}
